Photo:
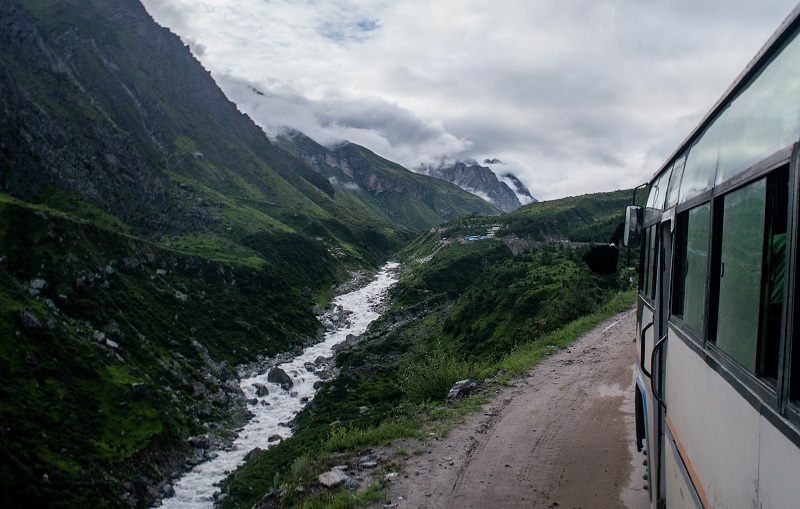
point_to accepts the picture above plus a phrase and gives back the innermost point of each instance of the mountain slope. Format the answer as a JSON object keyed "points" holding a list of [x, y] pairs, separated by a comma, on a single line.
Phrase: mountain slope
{"points": [[478, 180], [402, 196], [151, 239]]}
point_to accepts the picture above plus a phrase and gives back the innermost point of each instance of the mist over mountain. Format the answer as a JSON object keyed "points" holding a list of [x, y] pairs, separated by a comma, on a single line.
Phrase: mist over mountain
{"points": [[522, 191], [481, 181]]}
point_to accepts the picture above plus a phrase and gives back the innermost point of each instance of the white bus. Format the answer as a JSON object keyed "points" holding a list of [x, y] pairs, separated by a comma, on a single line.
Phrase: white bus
{"points": [[718, 360]]}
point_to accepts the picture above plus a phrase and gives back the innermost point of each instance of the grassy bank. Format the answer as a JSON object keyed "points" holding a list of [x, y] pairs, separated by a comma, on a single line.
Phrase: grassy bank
{"points": [[337, 431]]}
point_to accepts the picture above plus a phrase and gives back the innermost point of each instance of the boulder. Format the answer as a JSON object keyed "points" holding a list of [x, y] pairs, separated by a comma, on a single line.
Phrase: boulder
{"points": [[261, 390], [140, 390], [462, 388], [279, 376], [27, 319], [332, 478], [200, 442], [253, 452], [168, 490]]}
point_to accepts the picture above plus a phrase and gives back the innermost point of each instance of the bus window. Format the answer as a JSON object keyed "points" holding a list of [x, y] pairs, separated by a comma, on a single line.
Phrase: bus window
{"points": [[741, 247], [691, 266], [701, 163], [763, 118], [651, 261], [748, 273], [675, 182], [777, 210]]}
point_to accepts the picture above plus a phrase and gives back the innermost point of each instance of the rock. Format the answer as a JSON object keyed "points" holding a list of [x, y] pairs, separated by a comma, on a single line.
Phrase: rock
{"points": [[27, 319], [200, 442], [140, 390], [219, 399], [318, 384], [168, 490], [199, 390], [332, 478], [310, 366], [279, 376], [130, 263], [252, 453], [274, 438], [319, 310], [261, 390], [38, 284], [267, 501], [462, 388]]}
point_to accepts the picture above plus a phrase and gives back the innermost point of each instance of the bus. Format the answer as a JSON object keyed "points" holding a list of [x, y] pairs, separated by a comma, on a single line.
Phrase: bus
{"points": [[717, 392]]}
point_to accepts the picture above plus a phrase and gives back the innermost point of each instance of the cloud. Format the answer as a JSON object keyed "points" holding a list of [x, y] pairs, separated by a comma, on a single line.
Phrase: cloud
{"points": [[574, 96]]}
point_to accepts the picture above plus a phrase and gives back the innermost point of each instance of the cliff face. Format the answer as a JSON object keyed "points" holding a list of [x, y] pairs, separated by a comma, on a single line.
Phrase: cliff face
{"points": [[408, 198], [478, 180], [57, 128], [520, 188]]}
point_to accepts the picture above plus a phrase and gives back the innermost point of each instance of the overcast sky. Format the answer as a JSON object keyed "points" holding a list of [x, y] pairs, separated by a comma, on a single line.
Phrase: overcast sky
{"points": [[573, 96]]}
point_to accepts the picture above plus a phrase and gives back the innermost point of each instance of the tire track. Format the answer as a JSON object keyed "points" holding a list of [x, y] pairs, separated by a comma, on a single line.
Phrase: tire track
{"points": [[558, 438]]}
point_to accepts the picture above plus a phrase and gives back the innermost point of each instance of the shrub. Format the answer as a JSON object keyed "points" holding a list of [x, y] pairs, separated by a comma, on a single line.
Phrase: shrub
{"points": [[431, 379]]}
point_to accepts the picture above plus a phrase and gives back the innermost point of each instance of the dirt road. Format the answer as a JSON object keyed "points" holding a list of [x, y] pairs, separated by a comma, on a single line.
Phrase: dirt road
{"points": [[560, 437]]}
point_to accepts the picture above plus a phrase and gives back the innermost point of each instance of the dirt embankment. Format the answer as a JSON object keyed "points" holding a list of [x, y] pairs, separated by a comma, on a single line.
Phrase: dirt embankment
{"points": [[562, 436]]}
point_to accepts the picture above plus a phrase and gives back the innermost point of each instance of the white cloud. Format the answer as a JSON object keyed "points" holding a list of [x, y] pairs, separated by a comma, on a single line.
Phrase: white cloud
{"points": [[574, 96]]}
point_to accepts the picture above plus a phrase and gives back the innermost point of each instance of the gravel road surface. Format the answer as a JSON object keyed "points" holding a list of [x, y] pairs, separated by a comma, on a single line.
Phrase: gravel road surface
{"points": [[561, 436]]}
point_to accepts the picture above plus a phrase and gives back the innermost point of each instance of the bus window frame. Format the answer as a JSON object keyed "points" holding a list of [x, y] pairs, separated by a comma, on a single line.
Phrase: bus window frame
{"points": [[773, 402]]}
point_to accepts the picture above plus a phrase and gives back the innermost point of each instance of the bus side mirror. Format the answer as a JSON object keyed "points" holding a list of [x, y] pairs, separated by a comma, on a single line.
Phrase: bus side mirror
{"points": [[633, 226]]}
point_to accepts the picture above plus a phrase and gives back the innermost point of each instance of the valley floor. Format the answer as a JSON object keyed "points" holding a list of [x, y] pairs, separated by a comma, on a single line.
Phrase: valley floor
{"points": [[561, 436]]}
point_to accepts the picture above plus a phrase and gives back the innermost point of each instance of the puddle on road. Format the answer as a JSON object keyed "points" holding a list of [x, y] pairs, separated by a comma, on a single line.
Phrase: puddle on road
{"points": [[611, 391]]}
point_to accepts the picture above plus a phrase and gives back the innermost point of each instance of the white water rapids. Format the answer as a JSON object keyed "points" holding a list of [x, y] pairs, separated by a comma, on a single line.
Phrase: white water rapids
{"points": [[195, 489]]}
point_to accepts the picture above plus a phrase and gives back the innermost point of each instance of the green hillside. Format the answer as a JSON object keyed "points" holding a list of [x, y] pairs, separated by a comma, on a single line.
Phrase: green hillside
{"points": [[463, 309]]}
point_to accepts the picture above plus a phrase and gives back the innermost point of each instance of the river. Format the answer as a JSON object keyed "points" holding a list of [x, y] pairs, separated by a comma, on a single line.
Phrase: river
{"points": [[195, 489]]}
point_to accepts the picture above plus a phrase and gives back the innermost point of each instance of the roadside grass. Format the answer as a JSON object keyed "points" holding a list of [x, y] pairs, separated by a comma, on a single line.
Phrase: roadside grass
{"points": [[524, 357], [354, 438]]}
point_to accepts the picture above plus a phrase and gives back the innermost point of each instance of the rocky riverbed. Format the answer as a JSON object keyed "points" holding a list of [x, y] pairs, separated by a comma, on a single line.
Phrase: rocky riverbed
{"points": [[276, 390]]}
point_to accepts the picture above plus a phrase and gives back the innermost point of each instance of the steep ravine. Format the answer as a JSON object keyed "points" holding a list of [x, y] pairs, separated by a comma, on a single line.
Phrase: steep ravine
{"points": [[274, 400]]}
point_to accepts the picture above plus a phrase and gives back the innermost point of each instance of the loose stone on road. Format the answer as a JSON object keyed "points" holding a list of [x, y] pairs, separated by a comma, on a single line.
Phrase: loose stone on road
{"points": [[561, 436]]}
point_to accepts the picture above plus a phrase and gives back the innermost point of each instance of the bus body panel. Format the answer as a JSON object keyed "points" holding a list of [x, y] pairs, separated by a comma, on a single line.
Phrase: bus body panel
{"points": [[717, 428], [681, 493], [779, 466]]}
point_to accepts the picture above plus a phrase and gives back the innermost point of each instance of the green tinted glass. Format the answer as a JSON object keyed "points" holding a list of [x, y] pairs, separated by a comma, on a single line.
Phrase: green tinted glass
{"points": [[696, 267], [765, 117], [701, 164], [741, 254]]}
